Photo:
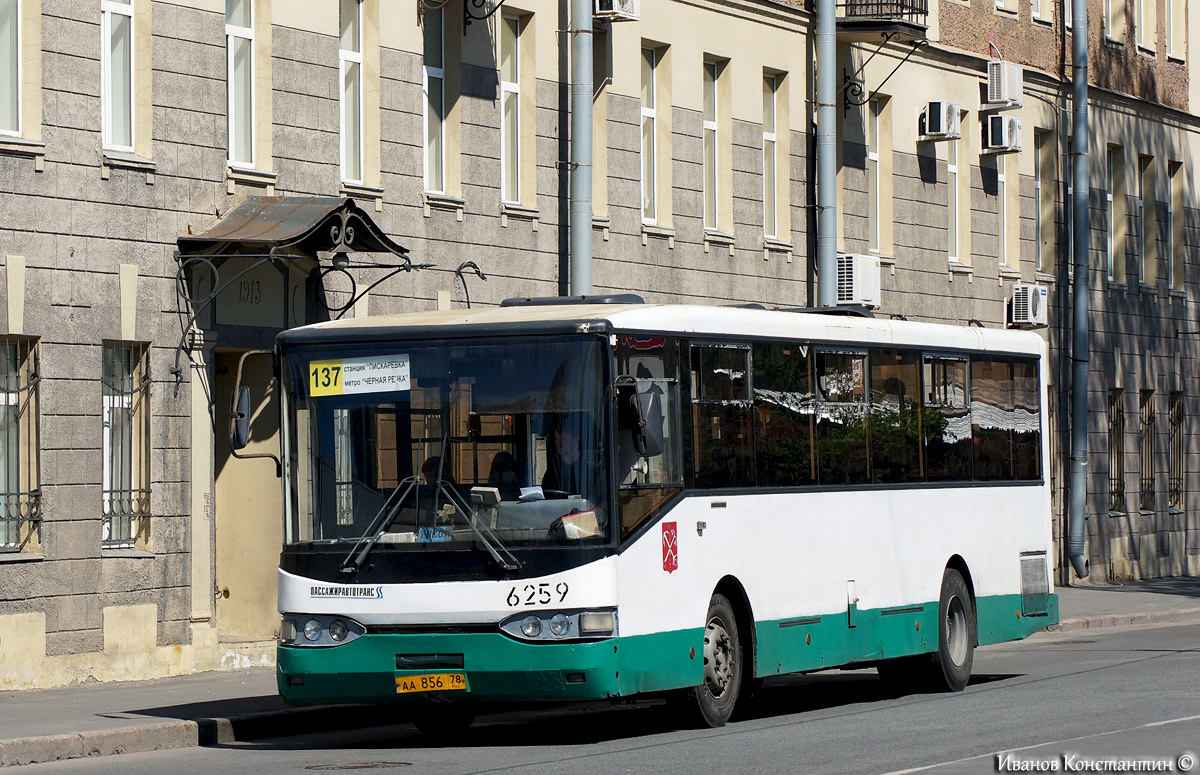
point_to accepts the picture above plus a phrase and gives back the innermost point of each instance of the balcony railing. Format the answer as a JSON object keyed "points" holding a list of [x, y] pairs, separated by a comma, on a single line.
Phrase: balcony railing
{"points": [[914, 11]]}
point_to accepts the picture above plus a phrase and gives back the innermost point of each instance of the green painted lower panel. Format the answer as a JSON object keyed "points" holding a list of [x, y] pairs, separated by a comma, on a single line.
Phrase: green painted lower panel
{"points": [[1000, 618], [498, 668], [816, 642]]}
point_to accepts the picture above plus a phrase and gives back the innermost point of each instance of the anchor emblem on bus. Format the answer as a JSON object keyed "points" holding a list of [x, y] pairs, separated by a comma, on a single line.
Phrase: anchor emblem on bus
{"points": [[670, 547]]}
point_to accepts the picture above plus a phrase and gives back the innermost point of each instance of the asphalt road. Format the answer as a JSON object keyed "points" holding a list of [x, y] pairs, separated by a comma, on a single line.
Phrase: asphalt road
{"points": [[1059, 701]]}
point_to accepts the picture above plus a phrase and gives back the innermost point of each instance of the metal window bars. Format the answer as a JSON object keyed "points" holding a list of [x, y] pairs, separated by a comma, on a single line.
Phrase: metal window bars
{"points": [[125, 444], [1175, 464], [1116, 450], [906, 10], [20, 493], [1146, 452]]}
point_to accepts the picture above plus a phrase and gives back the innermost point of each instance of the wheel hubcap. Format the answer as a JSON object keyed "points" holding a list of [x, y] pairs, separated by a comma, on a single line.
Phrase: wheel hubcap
{"points": [[718, 658], [956, 631]]}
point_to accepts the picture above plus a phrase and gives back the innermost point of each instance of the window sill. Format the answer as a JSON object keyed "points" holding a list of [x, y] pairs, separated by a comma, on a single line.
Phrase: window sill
{"points": [[773, 245], [961, 270], [360, 191], [127, 161], [1176, 59], [244, 176], [1149, 290], [604, 224], [133, 554], [520, 213], [719, 239], [658, 232], [15, 146], [1045, 278], [1146, 52], [1006, 11], [1112, 513], [1041, 20], [17, 557], [1178, 294], [435, 200], [1113, 42]]}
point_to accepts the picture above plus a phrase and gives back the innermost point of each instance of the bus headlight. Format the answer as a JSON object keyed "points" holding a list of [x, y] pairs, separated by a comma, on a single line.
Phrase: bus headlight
{"points": [[531, 626], [560, 624], [319, 630]]}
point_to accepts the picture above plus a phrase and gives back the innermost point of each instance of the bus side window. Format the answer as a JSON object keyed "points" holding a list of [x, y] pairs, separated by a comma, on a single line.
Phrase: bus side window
{"points": [[783, 415], [895, 435], [992, 414], [724, 434], [946, 419], [841, 417]]}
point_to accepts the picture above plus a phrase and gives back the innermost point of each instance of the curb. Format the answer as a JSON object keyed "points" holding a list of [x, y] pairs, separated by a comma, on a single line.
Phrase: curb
{"points": [[1182, 616], [164, 735]]}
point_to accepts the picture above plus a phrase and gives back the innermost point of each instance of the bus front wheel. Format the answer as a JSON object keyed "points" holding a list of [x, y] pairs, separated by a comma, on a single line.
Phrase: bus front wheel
{"points": [[712, 702]]}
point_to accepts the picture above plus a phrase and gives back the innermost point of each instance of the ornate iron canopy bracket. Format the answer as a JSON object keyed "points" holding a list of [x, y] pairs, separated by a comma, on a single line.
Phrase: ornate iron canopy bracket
{"points": [[852, 86], [480, 13]]}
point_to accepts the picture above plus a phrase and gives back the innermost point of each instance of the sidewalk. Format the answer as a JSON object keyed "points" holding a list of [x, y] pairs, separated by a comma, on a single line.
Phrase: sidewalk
{"points": [[221, 707]]}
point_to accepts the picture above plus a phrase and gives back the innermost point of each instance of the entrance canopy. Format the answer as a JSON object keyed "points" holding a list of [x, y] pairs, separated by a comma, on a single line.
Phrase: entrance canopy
{"points": [[291, 226]]}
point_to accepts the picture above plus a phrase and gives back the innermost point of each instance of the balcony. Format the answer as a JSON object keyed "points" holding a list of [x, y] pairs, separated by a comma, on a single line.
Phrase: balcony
{"points": [[861, 21]]}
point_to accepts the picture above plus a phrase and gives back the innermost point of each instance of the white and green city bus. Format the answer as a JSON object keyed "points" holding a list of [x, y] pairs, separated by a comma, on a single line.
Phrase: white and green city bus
{"points": [[570, 499]]}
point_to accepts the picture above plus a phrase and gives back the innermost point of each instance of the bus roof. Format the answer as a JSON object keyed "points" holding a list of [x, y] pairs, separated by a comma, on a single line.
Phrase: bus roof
{"points": [[689, 320]]}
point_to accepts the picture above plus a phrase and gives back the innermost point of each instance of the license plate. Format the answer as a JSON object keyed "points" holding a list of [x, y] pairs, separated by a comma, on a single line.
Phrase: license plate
{"points": [[431, 682]]}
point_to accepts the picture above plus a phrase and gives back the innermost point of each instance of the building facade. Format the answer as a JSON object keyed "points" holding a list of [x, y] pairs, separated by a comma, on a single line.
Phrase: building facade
{"points": [[132, 545]]}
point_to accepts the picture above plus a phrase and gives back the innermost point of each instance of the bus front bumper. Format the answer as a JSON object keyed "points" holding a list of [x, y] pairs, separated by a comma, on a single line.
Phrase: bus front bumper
{"points": [[496, 669]]}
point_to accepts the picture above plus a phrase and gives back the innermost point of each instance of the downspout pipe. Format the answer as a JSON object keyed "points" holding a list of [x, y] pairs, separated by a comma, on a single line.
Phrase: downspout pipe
{"points": [[1081, 230], [580, 194], [827, 153]]}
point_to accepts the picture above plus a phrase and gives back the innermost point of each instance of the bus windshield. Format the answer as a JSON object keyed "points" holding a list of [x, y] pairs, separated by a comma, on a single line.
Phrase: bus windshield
{"points": [[447, 444]]}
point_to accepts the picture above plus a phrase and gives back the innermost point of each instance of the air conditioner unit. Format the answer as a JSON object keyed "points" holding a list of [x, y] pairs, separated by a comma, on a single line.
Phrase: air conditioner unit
{"points": [[939, 121], [858, 280], [1006, 84], [618, 10], [1029, 306], [1003, 134]]}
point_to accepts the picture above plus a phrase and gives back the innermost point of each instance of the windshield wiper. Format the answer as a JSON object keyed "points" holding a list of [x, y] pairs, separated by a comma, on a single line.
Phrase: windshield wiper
{"points": [[484, 533], [391, 507], [387, 512]]}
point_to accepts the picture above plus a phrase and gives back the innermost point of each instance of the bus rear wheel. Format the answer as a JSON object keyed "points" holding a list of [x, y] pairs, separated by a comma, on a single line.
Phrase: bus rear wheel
{"points": [[712, 702], [956, 633]]}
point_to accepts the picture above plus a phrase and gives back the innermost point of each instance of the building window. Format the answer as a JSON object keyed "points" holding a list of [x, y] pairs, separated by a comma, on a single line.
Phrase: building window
{"points": [[1176, 32], [1145, 19], [1146, 451], [510, 106], [952, 200], [20, 482], [239, 43], [649, 116], [873, 175], [711, 212], [1114, 20], [350, 66], [1043, 183], [1176, 451], [1116, 450], [1069, 207], [125, 446], [1001, 211], [770, 224], [435, 104], [1114, 195], [1175, 243], [1068, 13], [10, 67], [1147, 217], [116, 64]]}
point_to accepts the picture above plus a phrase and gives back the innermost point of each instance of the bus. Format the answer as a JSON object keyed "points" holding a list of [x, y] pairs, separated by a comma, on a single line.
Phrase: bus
{"points": [[586, 498]]}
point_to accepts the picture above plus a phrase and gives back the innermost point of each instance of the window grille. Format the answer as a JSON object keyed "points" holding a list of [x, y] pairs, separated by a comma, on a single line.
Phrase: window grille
{"points": [[19, 443], [125, 445], [1175, 474], [1146, 450], [1116, 450]]}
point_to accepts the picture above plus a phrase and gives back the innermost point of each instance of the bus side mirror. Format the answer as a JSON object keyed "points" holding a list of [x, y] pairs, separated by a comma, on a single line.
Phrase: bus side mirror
{"points": [[239, 432]]}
